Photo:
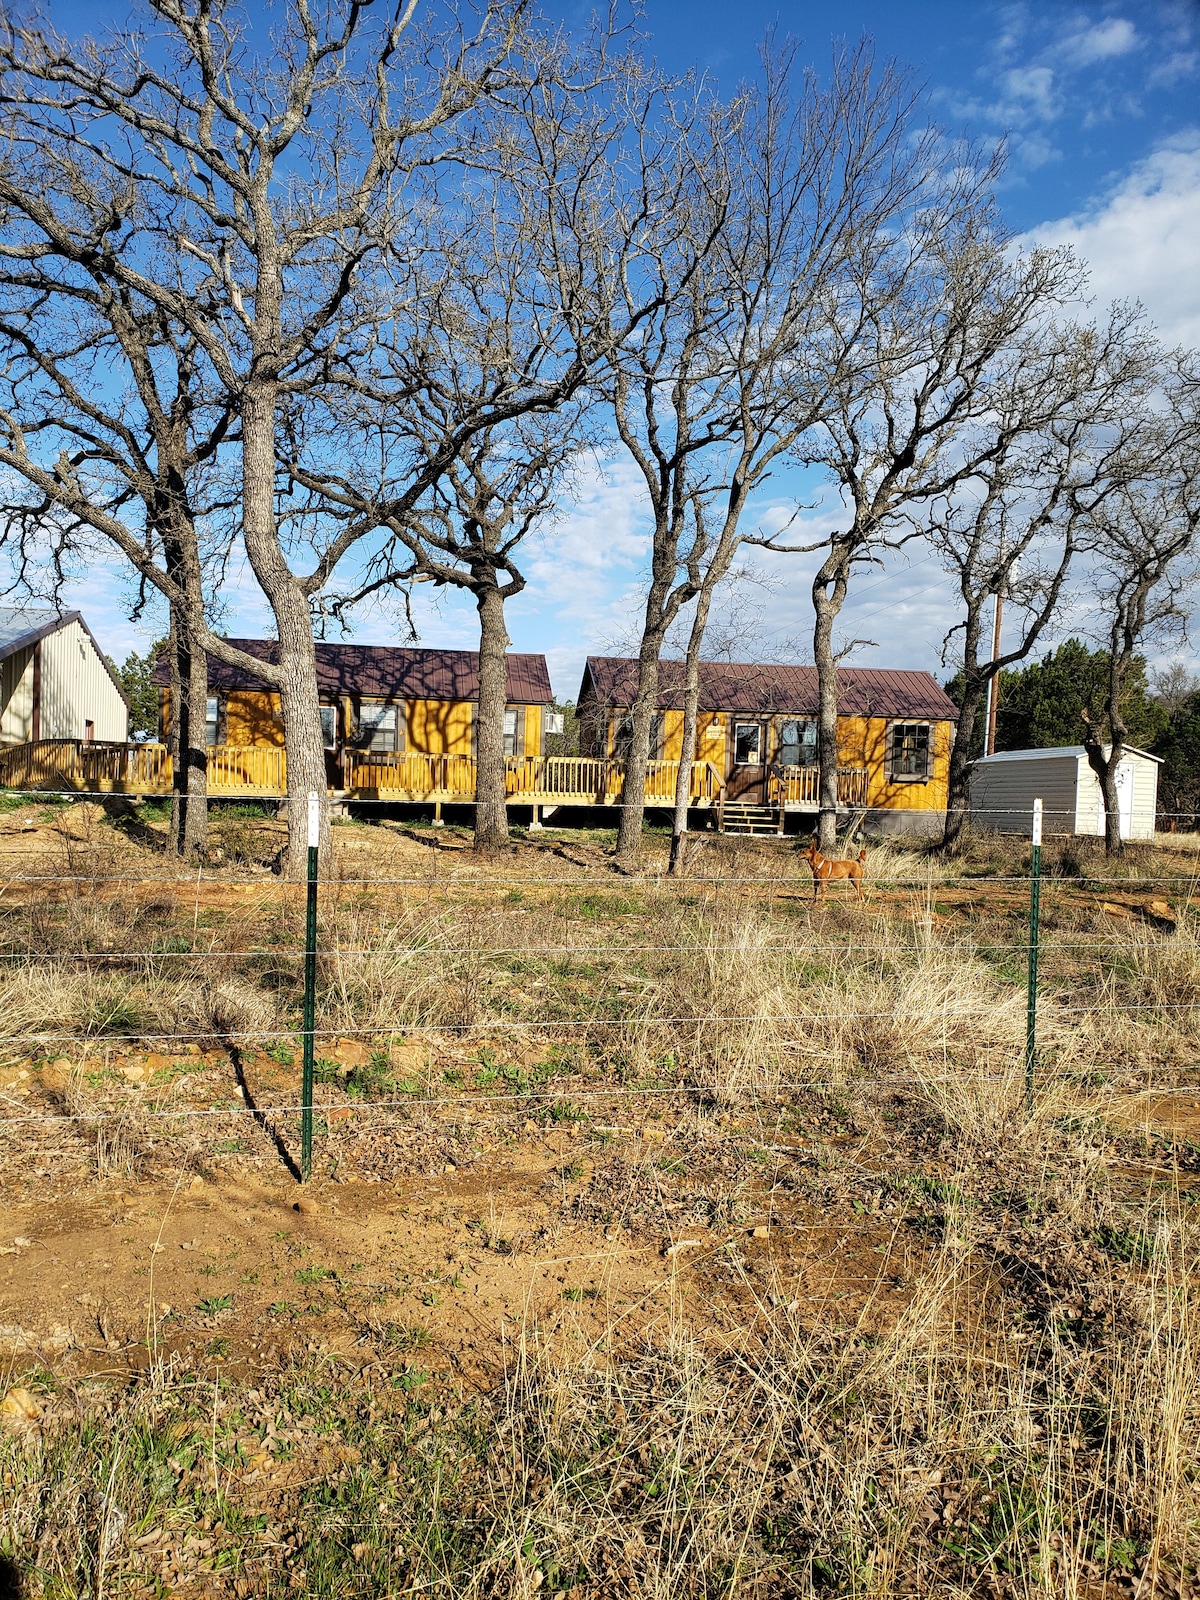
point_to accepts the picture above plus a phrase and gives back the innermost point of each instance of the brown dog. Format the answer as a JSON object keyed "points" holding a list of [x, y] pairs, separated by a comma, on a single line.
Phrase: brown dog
{"points": [[825, 869]]}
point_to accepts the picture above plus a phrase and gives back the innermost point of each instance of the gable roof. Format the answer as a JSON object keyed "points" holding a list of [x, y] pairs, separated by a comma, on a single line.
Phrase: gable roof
{"points": [[23, 626], [762, 690], [1056, 751], [380, 672]]}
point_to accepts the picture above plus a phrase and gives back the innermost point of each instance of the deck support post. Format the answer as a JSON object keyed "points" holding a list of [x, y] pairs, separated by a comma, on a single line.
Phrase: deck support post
{"points": [[437, 814], [535, 819]]}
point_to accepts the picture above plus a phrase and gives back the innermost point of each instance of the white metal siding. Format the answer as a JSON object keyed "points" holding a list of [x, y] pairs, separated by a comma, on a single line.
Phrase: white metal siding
{"points": [[1145, 798], [1003, 792], [76, 689], [16, 697], [1139, 824]]}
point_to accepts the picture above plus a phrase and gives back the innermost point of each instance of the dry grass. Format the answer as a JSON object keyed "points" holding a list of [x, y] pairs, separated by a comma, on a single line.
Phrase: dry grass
{"points": [[1025, 1424], [956, 1455]]}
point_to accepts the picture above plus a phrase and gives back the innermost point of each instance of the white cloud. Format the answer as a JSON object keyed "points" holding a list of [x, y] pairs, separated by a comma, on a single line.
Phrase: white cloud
{"points": [[1142, 239], [1114, 37]]}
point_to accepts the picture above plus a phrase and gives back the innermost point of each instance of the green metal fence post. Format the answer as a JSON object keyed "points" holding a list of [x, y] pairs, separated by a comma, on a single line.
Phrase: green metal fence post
{"points": [[1035, 888], [310, 990]]}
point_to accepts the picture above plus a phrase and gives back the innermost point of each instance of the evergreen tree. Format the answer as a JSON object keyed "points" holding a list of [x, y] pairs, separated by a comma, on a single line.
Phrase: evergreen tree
{"points": [[137, 680]]}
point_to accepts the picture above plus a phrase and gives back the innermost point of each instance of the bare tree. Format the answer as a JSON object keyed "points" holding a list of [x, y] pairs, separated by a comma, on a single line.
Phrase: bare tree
{"points": [[466, 534], [1048, 449], [1141, 546], [910, 426], [101, 412], [239, 191], [789, 194]]}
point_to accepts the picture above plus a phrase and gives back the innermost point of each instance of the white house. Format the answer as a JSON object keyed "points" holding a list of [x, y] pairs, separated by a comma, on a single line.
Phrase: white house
{"points": [[55, 681], [1004, 787]]}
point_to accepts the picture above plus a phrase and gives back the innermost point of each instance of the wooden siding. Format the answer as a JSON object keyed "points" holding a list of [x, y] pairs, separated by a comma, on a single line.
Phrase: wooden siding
{"points": [[862, 744], [439, 727]]}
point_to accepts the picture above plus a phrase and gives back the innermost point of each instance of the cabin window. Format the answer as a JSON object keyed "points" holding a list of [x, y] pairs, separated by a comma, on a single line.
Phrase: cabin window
{"points": [[514, 731], [910, 752], [329, 727], [377, 727], [658, 737], [797, 744], [212, 720], [623, 739], [747, 744]]}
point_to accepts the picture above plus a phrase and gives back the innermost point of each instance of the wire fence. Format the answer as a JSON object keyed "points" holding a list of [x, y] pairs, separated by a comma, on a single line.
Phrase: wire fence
{"points": [[856, 941]]}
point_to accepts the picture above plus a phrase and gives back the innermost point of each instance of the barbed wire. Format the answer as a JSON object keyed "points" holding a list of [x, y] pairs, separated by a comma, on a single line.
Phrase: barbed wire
{"points": [[336, 952], [491, 1025], [622, 882], [615, 1091]]}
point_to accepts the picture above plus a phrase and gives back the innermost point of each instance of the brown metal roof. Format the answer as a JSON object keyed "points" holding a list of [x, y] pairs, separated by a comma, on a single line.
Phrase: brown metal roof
{"points": [[761, 689], [381, 672]]}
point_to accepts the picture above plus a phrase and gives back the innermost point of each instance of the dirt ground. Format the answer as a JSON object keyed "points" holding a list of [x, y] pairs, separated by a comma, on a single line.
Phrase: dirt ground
{"points": [[493, 1190]]}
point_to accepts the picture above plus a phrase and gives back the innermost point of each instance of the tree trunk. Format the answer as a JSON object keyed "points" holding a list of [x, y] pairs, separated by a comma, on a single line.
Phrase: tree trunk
{"points": [[826, 605], [959, 776], [300, 704], [174, 735], [191, 760], [633, 791], [1105, 768], [491, 812], [691, 716]]}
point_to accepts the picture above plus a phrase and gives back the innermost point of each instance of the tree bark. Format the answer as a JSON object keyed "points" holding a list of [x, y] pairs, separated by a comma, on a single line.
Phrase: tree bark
{"points": [[491, 810], [633, 790], [299, 700], [191, 760], [691, 717], [959, 775], [1105, 768], [827, 602]]}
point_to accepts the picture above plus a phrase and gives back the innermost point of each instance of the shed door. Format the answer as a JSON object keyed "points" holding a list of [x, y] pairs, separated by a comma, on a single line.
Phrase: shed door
{"points": [[1124, 802]]}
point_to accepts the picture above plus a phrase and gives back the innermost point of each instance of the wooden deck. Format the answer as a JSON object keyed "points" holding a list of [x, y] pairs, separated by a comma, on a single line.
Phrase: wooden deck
{"points": [[250, 772]]}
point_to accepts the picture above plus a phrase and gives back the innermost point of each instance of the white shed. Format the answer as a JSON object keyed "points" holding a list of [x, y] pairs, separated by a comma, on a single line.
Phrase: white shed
{"points": [[55, 681], [1004, 787]]}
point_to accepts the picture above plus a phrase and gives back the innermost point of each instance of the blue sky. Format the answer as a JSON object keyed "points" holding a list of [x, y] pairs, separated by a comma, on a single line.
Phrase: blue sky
{"points": [[1101, 107]]}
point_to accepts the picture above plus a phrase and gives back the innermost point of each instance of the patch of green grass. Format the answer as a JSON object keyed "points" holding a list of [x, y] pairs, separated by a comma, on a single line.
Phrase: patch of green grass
{"points": [[282, 1053], [564, 1111], [406, 1337], [572, 1294], [1126, 1244], [313, 1274], [214, 1303], [571, 1172]]}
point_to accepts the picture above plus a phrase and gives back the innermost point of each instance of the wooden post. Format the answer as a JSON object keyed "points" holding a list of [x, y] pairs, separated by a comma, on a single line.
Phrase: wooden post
{"points": [[310, 989], [1035, 891]]}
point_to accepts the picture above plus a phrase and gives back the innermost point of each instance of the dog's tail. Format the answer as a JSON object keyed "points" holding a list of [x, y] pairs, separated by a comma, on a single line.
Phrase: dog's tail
{"points": [[862, 854]]}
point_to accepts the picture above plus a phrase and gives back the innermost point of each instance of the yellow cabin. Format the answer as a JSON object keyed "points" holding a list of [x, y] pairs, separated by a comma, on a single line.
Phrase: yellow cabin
{"points": [[758, 729], [385, 713]]}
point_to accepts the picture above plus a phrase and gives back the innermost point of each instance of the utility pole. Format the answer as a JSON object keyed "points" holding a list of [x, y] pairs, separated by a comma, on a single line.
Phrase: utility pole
{"points": [[993, 694]]}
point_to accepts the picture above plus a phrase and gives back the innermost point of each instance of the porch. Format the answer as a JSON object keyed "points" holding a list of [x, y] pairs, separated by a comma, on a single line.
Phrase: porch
{"points": [[250, 772]]}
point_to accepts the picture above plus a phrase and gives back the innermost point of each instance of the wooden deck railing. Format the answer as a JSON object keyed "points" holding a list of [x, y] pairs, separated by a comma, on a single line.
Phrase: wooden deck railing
{"points": [[74, 764], [254, 771], [801, 787]]}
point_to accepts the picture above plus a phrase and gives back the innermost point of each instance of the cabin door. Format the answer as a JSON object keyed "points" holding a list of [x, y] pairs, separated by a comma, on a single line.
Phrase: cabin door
{"points": [[748, 769]]}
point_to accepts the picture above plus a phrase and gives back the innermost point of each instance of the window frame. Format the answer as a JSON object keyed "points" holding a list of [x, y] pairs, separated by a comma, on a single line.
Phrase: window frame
{"points": [[923, 744], [758, 746], [331, 706], [517, 736], [801, 744], [215, 722], [382, 706]]}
